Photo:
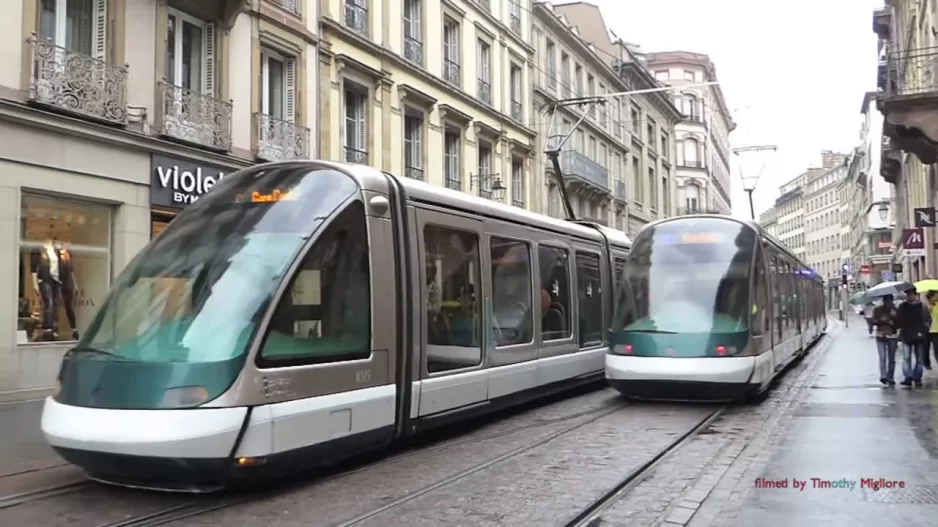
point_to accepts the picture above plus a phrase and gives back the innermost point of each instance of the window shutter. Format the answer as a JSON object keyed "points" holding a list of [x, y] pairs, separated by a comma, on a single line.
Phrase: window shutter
{"points": [[408, 18], [208, 47], [289, 82], [360, 113], [99, 31], [417, 145]]}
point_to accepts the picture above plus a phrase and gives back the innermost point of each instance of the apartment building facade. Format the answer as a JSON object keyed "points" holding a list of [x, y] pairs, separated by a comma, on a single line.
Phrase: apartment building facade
{"points": [[457, 115], [823, 219], [702, 136], [115, 115], [907, 97], [789, 215], [642, 123]]}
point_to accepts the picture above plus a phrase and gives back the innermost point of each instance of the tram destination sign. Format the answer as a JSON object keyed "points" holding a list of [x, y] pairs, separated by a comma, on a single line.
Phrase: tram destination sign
{"points": [[176, 182]]}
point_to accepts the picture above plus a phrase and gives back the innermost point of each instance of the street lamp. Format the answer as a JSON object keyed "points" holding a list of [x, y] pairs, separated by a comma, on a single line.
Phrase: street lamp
{"points": [[883, 211], [495, 191]]}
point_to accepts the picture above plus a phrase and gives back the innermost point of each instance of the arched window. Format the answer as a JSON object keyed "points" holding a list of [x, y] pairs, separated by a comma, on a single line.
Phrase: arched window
{"points": [[691, 198]]}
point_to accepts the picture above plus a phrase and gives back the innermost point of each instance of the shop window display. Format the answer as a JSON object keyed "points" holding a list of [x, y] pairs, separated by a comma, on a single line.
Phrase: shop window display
{"points": [[64, 267]]}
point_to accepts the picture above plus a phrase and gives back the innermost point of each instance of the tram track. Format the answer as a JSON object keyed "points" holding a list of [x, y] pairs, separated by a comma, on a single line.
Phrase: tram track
{"points": [[208, 504], [591, 515], [20, 498]]}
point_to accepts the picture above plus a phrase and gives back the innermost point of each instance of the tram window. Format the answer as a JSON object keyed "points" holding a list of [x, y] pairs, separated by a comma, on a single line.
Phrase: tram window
{"points": [[512, 314], [760, 298], [325, 315], [590, 298], [619, 270], [778, 293], [555, 293], [789, 295], [454, 328]]}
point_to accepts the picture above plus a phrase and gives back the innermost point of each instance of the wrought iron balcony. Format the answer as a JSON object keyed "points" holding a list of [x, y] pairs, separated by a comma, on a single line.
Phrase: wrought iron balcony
{"points": [[517, 112], [577, 166], [693, 163], [690, 211], [292, 6], [279, 140], [413, 50], [619, 190], [195, 118], [453, 180], [484, 4], [451, 72], [353, 155], [77, 83], [912, 72], [414, 173], [484, 91], [515, 23], [356, 18], [694, 118]]}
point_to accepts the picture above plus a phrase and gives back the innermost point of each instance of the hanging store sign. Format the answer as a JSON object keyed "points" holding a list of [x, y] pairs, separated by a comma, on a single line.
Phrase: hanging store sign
{"points": [[913, 243], [175, 183], [924, 217]]}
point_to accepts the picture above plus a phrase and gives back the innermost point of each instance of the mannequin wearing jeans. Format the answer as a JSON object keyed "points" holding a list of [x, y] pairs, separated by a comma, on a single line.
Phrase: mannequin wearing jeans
{"points": [[53, 278]]}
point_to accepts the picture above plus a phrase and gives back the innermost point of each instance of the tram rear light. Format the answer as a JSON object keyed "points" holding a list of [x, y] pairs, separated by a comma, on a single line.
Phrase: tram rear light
{"points": [[721, 350], [622, 349]]}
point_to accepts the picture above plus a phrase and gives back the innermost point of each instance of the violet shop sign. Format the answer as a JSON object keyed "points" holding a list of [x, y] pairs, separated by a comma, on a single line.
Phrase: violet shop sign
{"points": [[176, 182]]}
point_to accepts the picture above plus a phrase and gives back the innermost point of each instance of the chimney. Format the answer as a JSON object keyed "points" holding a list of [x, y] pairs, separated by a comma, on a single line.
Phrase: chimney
{"points": [[827, 159]]}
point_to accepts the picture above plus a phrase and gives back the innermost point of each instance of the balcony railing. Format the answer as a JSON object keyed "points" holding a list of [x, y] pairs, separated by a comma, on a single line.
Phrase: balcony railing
{"points": [[414, 173], [514, 23], [693, 163], [77, 83], [279, 140], [353, 155], [413, 50], [484, 4], [195, 118], [690, 211], [912, 72], [575, 164], [451, 72], [517, 112], [484, 91], [453, 180], [292, 6], [619, 190], [694, 118], [356, 18]]}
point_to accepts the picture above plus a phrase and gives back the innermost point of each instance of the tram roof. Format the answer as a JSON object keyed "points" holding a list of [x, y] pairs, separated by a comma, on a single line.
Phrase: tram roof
{"points": [[373, 179]]}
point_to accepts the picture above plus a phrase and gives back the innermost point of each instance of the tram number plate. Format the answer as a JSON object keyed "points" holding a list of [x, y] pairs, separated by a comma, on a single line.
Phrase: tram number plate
{"points": [[362, 376]]}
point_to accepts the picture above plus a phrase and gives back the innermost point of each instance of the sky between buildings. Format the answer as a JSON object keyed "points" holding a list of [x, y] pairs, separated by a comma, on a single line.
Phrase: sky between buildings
{"points": [[794, 73]]}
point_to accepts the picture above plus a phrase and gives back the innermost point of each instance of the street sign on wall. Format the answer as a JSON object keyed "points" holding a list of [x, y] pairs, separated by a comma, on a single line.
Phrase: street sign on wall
{"points": [[864, 269]]}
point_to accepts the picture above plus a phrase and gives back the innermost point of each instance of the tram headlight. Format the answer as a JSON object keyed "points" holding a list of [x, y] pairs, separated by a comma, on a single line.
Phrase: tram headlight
{"points": [[184, 396]]}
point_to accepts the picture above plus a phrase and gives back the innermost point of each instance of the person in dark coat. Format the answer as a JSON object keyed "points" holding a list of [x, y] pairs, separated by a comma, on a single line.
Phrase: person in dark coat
{"points": [[913, 332]]}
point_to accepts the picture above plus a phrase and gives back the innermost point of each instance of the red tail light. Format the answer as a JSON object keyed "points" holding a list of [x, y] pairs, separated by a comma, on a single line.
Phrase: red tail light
{"points": [[621, 349], [721, 350]]}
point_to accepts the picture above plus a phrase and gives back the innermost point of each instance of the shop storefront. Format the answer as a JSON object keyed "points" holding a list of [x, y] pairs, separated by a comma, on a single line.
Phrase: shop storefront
{"points": [[73, 214], [175, 183]]}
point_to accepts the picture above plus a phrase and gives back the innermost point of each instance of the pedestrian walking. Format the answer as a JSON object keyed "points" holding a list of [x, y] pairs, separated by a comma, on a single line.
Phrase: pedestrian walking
{"points": [[913, 331], [868, 315], [931, 299], [884, 318]]}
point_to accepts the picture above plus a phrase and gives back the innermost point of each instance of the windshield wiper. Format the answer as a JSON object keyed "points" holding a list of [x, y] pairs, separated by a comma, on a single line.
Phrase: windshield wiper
{"points": [[98, 351]]}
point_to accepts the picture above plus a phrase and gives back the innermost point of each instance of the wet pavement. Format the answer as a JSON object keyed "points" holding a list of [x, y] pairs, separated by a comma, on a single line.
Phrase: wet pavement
{"points": [[853, 452], [21, 443]]}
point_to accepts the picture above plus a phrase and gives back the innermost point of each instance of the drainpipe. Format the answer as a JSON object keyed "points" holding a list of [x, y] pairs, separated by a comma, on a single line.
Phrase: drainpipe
{"points": [[931, 265]]}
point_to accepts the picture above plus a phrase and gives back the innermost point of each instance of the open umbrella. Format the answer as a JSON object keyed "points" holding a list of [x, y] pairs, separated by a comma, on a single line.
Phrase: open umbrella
{"points": [[888, 288], [924, 286], [858, 298]]}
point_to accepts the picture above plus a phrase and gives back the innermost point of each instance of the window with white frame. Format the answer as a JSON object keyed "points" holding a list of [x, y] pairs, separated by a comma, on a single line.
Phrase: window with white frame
{"points": [[551, 65], [356, 120], [517, 108], [451, 52], [413, 144], [190, 53], [452, 145], [485, 169], [514, 16], [413, 35], [517, 182], [278, 85], [356, 16], [77, 26], [484, 66]]}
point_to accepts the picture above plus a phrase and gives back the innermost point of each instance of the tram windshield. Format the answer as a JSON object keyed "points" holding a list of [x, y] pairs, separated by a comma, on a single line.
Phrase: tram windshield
{"points": [[688, 276], [197, 292]]}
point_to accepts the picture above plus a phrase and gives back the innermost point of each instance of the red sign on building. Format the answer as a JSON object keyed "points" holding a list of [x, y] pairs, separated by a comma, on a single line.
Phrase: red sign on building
{"points": [[864, 269]]}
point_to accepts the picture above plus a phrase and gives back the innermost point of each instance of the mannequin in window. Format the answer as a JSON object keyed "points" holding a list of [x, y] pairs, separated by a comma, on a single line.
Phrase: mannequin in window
{"points": [[53, 275]]}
